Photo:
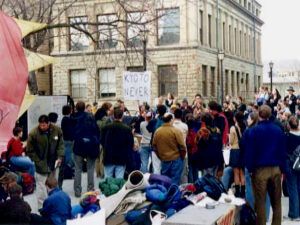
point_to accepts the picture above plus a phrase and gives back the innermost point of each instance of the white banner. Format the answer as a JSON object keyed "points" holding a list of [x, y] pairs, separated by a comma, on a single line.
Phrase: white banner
{"points": [[137, 86], [45, 105]]}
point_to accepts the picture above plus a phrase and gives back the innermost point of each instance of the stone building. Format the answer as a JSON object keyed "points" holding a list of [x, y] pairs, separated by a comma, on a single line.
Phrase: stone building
{"points": [[183, 39], [283, 80]]}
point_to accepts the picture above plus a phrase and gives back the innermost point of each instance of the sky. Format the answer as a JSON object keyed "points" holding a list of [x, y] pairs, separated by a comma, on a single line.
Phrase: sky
{"points": [[281, 31]]}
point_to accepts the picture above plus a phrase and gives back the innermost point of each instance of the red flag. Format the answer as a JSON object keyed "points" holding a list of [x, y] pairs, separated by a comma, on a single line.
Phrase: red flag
{"points": [[13, 76]]}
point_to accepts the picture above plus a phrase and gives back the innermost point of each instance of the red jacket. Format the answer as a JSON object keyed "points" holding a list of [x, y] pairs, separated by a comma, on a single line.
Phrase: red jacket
{"points": [[225, 137], [15, 147]]}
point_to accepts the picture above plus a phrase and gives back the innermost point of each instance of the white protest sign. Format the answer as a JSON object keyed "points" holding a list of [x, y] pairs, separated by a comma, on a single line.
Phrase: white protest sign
{"points": [[137, 86]]}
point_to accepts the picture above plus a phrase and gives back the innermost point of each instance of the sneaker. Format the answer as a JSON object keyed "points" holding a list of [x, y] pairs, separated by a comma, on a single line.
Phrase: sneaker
{"points": [[290, 219]]}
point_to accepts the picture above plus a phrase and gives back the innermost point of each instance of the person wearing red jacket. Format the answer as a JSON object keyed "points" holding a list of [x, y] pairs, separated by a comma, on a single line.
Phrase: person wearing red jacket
{"points": [[16, 155]]}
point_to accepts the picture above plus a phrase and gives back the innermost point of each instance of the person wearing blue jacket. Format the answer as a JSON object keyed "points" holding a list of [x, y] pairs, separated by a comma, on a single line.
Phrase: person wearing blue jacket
{"points": [[265, 161], [57, 207]]}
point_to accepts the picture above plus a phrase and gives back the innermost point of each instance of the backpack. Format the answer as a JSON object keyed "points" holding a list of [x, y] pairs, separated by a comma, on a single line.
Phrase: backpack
{"points": [[27, 183], [211, 185], [247, 215]]}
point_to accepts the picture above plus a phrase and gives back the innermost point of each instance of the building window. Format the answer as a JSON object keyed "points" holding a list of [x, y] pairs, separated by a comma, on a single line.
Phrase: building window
{"points": [[108, 34], [235, 41], [232, 83], [249, 6], [201, 27], [226, 82], [245, 3], [135, 27], [168, 26], [168, 80], [209, 31], [245, 46], [259, 81], [107, 82], [212, 81], [247, 83], [240, 43], [204, 80], [230, 39], [238, 83], [78, 83], [135, 68], [224, 38], [78, 40]]}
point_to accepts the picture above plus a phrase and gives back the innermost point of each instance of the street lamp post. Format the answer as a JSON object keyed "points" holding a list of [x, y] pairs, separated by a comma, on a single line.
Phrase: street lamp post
{"points": [[144, 35], [221, 56], [145, 54], [271, 64]]}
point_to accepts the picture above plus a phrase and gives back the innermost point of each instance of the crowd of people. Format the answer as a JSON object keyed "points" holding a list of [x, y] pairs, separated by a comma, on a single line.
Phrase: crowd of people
{"points": [[174, 138]]}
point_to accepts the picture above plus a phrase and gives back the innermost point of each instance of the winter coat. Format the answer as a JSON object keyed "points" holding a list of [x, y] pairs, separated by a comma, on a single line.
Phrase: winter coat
{"points": [[117, 141], [86, 136], [209, 153], [57, 207], [15, 211], [44, 148], [265, 146]]}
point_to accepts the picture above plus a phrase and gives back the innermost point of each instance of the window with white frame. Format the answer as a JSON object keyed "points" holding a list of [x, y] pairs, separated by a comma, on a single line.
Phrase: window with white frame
{"points": [[168, 26], [107, 82], [108, 31], [135, 27], [78, 40], [78, 83]]}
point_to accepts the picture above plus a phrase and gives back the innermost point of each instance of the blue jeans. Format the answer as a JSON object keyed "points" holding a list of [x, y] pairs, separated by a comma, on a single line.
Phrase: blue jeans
{"points": [[145, 154], [24, 163], [116, 171], [227, 178], [250, 197], [293, 186], [68, 153], [172, 169], [193, 174]]}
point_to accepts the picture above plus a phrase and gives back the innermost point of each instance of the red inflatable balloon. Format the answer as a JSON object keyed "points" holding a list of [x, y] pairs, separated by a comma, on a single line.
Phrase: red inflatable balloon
{"points": [[13, 76]]}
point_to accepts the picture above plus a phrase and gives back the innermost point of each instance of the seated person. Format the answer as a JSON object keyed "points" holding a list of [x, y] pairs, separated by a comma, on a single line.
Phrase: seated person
{"points": [[16, 155], [7, 179], [15, 210], [57, 207]]}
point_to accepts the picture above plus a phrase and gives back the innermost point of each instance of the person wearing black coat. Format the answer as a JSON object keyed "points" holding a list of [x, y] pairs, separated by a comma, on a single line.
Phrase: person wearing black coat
{"points": [[117, 141], [86, 146], [15, 210], [292, 177]]}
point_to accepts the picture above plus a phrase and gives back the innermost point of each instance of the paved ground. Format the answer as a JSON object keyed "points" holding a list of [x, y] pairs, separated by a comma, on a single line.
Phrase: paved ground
{"points": [[68, 187]]}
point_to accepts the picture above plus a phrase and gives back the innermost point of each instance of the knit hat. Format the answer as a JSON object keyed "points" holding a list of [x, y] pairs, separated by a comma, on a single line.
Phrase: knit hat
{"points": [[160, 179], [88, 198], [156, 193]]}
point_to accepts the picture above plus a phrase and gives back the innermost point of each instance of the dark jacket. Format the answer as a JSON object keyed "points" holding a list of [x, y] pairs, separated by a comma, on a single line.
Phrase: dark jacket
{"points": [[292, 142], [86, 136], [57, 207], [209, 153], [67, 126], [292, 102], [265, 146], [15, 211], [45, 147], [117, 141]]}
